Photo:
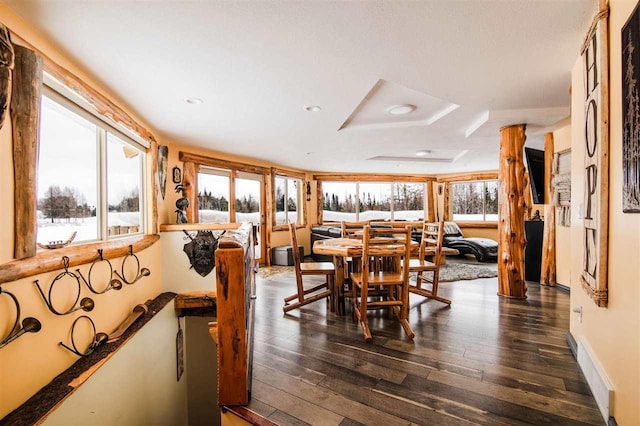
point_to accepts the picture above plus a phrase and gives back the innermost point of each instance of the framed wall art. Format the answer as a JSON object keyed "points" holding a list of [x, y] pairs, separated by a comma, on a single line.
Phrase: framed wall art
{"points": [[631, 113], [595, 222]]}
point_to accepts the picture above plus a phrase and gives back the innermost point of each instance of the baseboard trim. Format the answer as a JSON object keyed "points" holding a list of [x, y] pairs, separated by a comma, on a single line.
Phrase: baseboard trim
{"points": [[572, 345], [563, 287]]}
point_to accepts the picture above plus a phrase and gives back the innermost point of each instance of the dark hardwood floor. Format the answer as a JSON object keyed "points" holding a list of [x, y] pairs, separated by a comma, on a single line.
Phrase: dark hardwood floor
{"points": [[485, 360]]}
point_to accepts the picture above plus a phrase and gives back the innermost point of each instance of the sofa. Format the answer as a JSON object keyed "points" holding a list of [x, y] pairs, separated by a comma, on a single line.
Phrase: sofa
{"points": [[484, 249]]}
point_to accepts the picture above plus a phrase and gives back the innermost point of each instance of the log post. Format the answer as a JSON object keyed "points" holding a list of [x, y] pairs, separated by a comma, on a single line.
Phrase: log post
{"points": [[190, 182], [512, 239], [6, 65], [548, 269], [431, 211], [25, 121], [446, 209]]}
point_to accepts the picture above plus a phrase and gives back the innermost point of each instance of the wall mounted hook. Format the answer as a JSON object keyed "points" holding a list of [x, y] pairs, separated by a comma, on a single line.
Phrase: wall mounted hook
{"points": [[140, 272], [98, 338], [86, 304], [113, 283], [29, 324]]}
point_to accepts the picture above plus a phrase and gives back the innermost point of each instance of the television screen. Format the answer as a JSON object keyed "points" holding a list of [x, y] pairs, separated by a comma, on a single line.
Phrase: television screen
{"points": [[535, 165]]}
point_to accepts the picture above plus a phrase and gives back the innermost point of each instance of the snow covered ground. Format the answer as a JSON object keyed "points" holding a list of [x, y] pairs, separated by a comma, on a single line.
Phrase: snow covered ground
{"points": [[86, 228]]}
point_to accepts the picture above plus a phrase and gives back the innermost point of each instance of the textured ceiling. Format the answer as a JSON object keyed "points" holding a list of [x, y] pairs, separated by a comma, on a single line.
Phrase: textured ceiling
{"points": [[256, 64]]}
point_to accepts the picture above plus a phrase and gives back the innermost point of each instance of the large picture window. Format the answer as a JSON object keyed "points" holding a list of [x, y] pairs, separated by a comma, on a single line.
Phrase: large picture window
{"points": [[475, 201], [360, 201], [90, 176]]}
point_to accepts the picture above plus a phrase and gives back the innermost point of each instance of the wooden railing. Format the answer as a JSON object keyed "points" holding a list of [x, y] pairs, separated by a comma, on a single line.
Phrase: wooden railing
{"points": [[233, 330]]}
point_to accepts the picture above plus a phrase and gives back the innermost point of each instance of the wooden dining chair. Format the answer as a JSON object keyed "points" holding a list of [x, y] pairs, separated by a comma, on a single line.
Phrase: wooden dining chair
{"points": [[429, 260], [351, 229], [388, 285], [303, 297]]}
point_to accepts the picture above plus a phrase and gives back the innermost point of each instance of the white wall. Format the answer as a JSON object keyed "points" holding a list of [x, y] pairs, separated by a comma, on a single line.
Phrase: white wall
{"points": [[137, 386]]}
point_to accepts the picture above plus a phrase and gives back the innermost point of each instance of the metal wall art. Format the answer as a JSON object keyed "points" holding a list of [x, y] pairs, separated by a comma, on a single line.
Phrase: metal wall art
{"points": [[86, 304], [163, 153], [97, 339], [140, 272], [29, 324], [112, 283], [201, 251], [631, 113], [182, 205], [177, 175]]}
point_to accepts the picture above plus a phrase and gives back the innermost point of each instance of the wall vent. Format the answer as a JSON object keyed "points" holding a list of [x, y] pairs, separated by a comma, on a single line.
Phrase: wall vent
{"points": [[601, 388]]}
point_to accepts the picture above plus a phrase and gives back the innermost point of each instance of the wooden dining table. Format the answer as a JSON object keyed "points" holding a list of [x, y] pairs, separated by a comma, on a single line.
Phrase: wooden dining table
{"points": [[340, 248]]}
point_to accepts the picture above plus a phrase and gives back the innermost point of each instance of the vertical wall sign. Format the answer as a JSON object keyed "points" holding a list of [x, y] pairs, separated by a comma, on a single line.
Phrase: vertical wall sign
{"points": [[631, 114], [595, 56]]}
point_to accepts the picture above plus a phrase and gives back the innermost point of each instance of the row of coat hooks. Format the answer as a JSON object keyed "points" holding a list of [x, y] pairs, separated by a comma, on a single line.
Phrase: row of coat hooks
{"points": [[33, 325]]}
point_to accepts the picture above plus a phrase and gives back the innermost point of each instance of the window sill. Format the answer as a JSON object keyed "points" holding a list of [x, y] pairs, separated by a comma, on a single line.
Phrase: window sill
{"points": [[489, 225], [51, 260]]}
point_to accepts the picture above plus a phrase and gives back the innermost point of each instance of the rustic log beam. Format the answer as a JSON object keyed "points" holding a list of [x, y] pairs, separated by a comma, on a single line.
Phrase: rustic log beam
{"points": [[511, 212], [25, 121], [548, 269], [51, 260], [431, 210], [467, 176], [6, 65]]}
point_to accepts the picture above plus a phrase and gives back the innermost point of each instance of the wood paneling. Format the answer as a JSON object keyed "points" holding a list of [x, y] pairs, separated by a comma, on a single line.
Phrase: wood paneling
{"points": [[25, 121]]}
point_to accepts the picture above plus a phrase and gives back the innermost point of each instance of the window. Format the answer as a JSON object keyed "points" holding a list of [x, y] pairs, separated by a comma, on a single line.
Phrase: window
{"points": [[340, 201], [375, 201], [475, 201], [288, 200], [360, 201], [408, 201], [213, 196], [90, 176]]}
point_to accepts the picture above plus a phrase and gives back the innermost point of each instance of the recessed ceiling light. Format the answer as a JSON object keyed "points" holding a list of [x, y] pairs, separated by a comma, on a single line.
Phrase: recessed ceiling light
{"points": [[312, 108], [194, 101], [423, 153], [401, 109]]}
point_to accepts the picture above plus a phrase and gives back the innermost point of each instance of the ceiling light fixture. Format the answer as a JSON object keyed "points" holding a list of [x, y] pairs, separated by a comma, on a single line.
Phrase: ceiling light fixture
{"points": [[194, 101], [423, 153], [312, 108], [401, 109]]}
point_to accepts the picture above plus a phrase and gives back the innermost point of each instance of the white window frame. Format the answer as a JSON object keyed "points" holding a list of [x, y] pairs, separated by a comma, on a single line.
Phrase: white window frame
{"points": [[299, 200], [484, 200], [393, 192], [67, 99]]}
